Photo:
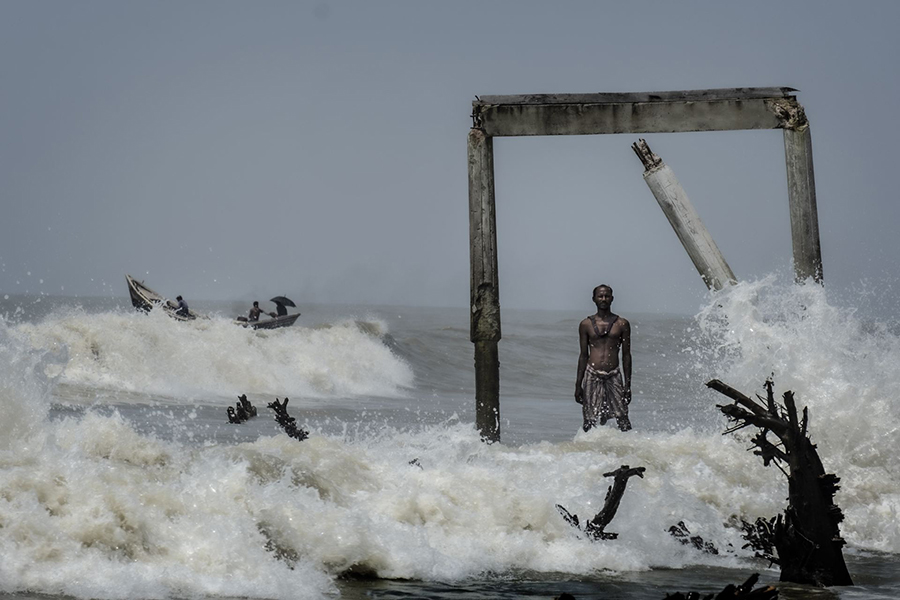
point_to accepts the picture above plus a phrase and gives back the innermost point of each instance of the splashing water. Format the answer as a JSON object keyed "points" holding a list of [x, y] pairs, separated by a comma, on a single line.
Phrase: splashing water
{"points": [[98, 510], [152, 354], [845, 370]]}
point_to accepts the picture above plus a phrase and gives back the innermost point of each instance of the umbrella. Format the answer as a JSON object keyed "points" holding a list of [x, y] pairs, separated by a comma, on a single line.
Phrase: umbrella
{"points": [[283, 300]]}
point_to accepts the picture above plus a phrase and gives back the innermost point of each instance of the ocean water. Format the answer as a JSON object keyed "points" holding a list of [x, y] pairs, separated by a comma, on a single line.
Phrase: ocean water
{"points": [[120, 477]]}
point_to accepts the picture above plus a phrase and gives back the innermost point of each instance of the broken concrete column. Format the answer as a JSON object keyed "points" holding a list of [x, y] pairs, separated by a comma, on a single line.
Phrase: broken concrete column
{"points": [[485, 299], [684, 219]]}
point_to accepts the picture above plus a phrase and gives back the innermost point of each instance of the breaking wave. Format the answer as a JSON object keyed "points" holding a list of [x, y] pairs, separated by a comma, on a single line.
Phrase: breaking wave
{"points": [[154, 354]]}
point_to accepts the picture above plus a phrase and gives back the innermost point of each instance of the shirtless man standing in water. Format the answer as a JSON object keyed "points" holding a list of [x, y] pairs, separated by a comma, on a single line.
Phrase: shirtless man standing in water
{"points": [[599, 386]]}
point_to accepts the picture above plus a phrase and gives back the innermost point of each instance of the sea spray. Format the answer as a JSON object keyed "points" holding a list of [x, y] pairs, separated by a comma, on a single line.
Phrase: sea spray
{"points": [[845, 370], [153, 354], [104, 511], [108, 513], [26, 376]]}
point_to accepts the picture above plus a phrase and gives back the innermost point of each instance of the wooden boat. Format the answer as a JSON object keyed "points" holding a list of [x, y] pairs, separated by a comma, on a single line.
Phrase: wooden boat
{"points": [[272, 323], [145, 299]]}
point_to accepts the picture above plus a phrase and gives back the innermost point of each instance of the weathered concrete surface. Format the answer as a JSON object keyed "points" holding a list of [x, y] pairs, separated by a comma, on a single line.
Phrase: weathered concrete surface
{"points": [[661, 112], [802, 199], [485, 298], [691, 231], [666, 96], [487, 390]]}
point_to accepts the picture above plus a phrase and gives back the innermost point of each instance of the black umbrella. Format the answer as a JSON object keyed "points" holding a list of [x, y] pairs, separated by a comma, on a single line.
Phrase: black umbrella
{"points": [[283, 300]]}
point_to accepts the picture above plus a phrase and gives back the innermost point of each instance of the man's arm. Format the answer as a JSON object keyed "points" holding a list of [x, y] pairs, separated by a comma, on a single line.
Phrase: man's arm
{"points": [[582, 361], [626, 359]]}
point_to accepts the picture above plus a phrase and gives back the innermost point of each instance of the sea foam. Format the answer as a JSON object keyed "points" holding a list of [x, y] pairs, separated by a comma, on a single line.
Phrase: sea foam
{"points": [[844, 369], [99, 510], [154, 354]]}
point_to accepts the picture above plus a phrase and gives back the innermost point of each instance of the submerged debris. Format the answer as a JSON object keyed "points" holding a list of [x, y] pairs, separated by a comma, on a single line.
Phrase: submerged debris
{"points": [[760, 536], [594, 528], [744, 591], [287, 422], [242, 410], [681, 533]]}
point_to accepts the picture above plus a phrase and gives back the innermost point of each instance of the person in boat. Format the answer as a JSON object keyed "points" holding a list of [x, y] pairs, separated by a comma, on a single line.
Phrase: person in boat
{"points": [[603, 385], [256, 311], [281, 309], [182, 308], [253, 317]]}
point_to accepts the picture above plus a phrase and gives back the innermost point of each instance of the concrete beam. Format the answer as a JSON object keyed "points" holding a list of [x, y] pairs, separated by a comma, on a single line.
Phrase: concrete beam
{"points": [[661, 112], [630, 97]]}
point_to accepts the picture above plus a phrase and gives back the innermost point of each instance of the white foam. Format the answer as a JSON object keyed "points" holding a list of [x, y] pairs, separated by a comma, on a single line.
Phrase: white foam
{"points": [[100, 511], [154, 354], [24, 392], [106, 513], [845, 370]]}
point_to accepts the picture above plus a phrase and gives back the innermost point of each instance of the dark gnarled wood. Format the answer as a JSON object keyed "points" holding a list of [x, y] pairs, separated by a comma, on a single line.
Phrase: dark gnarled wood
{"points": [[744, 591], [595, 528], [287, 422], [807, 536]]}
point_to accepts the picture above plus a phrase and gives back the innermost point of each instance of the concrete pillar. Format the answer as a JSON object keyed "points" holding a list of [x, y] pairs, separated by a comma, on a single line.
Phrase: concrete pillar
{"points": [[802, 199], [485, 298], [684, 219]]}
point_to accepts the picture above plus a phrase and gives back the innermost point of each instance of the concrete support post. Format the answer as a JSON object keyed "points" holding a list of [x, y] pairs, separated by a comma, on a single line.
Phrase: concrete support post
{"points": [[485, 299], [487, 390], [802, 199], [684, 219]]}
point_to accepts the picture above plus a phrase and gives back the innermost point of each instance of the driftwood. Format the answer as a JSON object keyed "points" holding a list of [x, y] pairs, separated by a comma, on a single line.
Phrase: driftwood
{"points": [[761, 537], [594, 528], [247, 406], [242, 410], [681, 533], [287, 422], [806, 537], [744, 591]]}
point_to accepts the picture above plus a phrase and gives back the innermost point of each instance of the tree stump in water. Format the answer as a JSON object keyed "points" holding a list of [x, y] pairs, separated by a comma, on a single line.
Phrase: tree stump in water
{"points": [[287, 422], [806, 537], [595, 528]]}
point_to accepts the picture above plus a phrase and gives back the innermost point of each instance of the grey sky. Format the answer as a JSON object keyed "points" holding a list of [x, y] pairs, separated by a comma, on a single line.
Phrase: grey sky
{"points": [[228, 150]]}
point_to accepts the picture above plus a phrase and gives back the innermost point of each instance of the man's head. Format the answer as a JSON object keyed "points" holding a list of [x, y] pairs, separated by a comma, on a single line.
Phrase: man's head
{"points": [[603, 294], [256, 303], [179, 298]]}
